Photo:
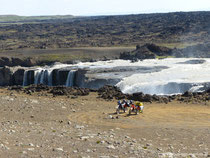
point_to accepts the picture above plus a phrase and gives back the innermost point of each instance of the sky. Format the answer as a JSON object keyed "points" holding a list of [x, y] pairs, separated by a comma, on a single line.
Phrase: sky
{"points": [[98, 7]]}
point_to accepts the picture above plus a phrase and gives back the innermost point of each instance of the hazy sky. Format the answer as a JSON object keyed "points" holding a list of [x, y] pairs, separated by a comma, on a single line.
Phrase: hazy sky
{"points": [[98, 7]]}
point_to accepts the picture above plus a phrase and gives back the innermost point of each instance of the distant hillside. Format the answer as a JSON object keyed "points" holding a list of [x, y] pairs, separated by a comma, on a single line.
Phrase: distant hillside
{"points": [[179, 30], [16, 18]]}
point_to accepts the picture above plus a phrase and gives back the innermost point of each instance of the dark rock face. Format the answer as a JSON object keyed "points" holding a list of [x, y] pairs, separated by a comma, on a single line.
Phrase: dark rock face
{"points": [[62, 76], [55, 77], [147, 51], [158, 50], [5, 76], [17, 77]]}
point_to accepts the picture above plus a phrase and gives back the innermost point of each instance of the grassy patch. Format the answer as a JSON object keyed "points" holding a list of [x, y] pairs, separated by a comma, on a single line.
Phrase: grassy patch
{"points": [[177, 45], [61, 57], [163, 57]]}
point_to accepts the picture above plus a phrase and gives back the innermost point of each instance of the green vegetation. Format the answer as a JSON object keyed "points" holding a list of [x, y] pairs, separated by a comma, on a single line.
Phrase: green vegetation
{"points": [[163, 57]]}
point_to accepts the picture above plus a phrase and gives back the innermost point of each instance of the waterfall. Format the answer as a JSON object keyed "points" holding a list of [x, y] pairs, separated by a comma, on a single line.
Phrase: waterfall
{"points": [[25, 78], [70, 78], [43, 76], [49, 79], [37, 76]]}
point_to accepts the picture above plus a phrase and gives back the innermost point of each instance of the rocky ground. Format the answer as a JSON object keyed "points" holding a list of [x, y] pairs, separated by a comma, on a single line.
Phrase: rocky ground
{"points": [[87, 126]]}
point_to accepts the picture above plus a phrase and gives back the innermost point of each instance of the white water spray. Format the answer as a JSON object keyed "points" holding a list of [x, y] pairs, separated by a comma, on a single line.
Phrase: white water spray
{"points": [[70, 78]]}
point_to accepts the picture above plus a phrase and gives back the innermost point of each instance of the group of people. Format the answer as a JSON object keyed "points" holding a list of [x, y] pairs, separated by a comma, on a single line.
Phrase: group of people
{"points": [[136, 107]]}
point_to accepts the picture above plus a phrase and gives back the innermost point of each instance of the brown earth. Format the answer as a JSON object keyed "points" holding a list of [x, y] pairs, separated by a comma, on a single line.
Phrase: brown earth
{"points": [[87, 126]]}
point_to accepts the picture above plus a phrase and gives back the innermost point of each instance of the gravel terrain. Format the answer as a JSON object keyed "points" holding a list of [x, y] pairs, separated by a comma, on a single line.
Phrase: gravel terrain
{"points": [[87, 126]]}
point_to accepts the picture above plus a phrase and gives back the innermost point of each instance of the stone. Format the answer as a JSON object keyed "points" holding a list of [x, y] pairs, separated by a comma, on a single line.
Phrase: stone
{"points": [[79, 127], [58, 149], [166, 155], [30, 149], [110, 147], [84, 137]]}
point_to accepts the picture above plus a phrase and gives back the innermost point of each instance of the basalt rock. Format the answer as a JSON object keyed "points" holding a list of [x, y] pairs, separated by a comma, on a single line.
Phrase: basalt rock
{"points": [[147, 51], [111, 92], [17, 77], [5, 76]]}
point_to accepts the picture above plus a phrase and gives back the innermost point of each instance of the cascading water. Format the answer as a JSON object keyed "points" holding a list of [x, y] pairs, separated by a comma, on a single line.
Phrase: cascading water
{"points": [[37, 76], [70, 78], [43, 76], [25, 78], [50, 78], [177, 76]]}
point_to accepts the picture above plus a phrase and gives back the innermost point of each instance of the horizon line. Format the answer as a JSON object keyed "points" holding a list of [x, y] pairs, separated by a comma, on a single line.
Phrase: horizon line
{"points": [[106, 14]]}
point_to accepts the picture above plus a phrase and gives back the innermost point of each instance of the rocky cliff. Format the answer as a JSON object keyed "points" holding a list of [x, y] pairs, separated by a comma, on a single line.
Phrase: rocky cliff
{"points": [[11, 76]]}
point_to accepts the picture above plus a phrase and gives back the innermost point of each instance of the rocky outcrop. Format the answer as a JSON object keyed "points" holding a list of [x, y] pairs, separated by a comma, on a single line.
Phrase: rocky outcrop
{"points": [[11, 76], [111, 92], [17, 77], [28, 62], [147, 51], [151, 51], [5, 76]]}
